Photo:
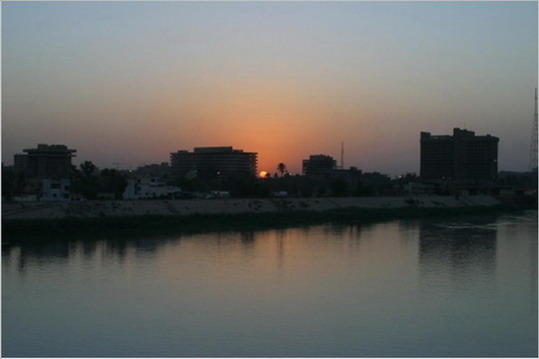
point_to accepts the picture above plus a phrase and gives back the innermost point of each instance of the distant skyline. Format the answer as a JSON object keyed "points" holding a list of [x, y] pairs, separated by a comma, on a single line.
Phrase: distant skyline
{"points": [[131, 82]]}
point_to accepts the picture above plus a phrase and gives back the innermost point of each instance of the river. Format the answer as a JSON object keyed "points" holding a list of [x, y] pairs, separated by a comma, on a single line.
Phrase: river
{"points": [[459, 287]]}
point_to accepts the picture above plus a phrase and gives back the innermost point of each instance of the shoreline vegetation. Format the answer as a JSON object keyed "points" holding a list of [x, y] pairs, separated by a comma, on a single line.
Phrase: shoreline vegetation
{"points": [[17, 230]]}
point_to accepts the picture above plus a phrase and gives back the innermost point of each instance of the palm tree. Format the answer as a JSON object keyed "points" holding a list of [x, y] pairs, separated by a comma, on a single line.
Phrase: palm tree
{"points": [[281, 167]]}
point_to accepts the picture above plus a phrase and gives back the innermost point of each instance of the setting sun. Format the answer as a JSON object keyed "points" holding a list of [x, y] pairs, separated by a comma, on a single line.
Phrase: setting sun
{"points": [[263, 174]]}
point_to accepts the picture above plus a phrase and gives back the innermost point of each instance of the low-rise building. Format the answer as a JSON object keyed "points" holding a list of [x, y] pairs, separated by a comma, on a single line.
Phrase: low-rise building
{"points": [[55, 189], [160, 170], [25, 198], [20, 163], [148, 187]]}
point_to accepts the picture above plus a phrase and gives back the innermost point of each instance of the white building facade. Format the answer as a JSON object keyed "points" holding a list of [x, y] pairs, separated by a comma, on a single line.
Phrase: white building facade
{"points": [[147, 187], [56, 189]]}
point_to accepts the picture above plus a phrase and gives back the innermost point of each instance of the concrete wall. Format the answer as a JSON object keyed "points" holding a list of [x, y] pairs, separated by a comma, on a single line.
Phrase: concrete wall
{"points": [[34, 210]]}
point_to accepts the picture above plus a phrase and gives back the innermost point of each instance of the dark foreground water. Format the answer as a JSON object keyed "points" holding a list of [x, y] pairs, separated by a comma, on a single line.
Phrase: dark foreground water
{"points": [[421, 288]]}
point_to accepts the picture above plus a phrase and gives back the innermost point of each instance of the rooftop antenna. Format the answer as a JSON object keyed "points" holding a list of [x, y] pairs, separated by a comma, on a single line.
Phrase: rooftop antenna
{"points": [[533, 143], [342, 155]]}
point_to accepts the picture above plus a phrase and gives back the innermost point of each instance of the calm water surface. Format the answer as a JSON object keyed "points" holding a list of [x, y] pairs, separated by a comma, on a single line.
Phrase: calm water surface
{"points": [[420, 288]]}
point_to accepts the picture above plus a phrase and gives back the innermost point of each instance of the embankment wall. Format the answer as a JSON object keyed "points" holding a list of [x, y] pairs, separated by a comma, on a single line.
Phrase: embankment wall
{"points": [[94, 209]]}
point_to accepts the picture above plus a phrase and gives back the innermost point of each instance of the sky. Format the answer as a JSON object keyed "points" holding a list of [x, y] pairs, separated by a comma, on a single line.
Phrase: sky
{"points": [[127, 83]]}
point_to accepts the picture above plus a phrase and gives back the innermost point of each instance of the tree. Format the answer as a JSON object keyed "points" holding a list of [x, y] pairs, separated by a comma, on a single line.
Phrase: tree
{"points": [[21, 182], [281, 168], [112, 181], [84, 181], [8, 183], [87, 168], [339, 187]]}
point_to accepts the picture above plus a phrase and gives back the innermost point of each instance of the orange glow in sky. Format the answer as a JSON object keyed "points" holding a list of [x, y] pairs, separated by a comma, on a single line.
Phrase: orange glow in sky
{"points": [[283, 79]]}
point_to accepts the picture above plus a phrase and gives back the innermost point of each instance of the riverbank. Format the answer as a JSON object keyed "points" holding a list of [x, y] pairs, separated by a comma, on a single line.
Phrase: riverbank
{"points": [[98, 209], [90, 218]]}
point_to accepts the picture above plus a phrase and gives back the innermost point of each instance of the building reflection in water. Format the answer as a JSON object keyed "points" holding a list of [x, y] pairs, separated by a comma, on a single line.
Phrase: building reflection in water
{"points": [[455, 249], [60, 251], [451, 254], [43, 251]]}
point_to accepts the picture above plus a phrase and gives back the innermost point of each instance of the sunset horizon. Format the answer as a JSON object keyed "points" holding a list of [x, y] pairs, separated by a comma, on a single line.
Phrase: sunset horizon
{"points": [[269, 179], [130, 83]]}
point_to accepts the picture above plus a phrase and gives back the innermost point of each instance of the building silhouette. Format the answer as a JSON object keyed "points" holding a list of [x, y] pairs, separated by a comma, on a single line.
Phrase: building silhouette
{"points": [[45, 161], [213, 162], [20, 163], [160, 170], [461, 157], [319, 165]]}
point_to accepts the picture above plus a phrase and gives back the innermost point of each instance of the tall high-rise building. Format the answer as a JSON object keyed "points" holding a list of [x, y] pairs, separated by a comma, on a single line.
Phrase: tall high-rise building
{"points": [[463, 156], [45, 161], [213, 162], [319, 165]]}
